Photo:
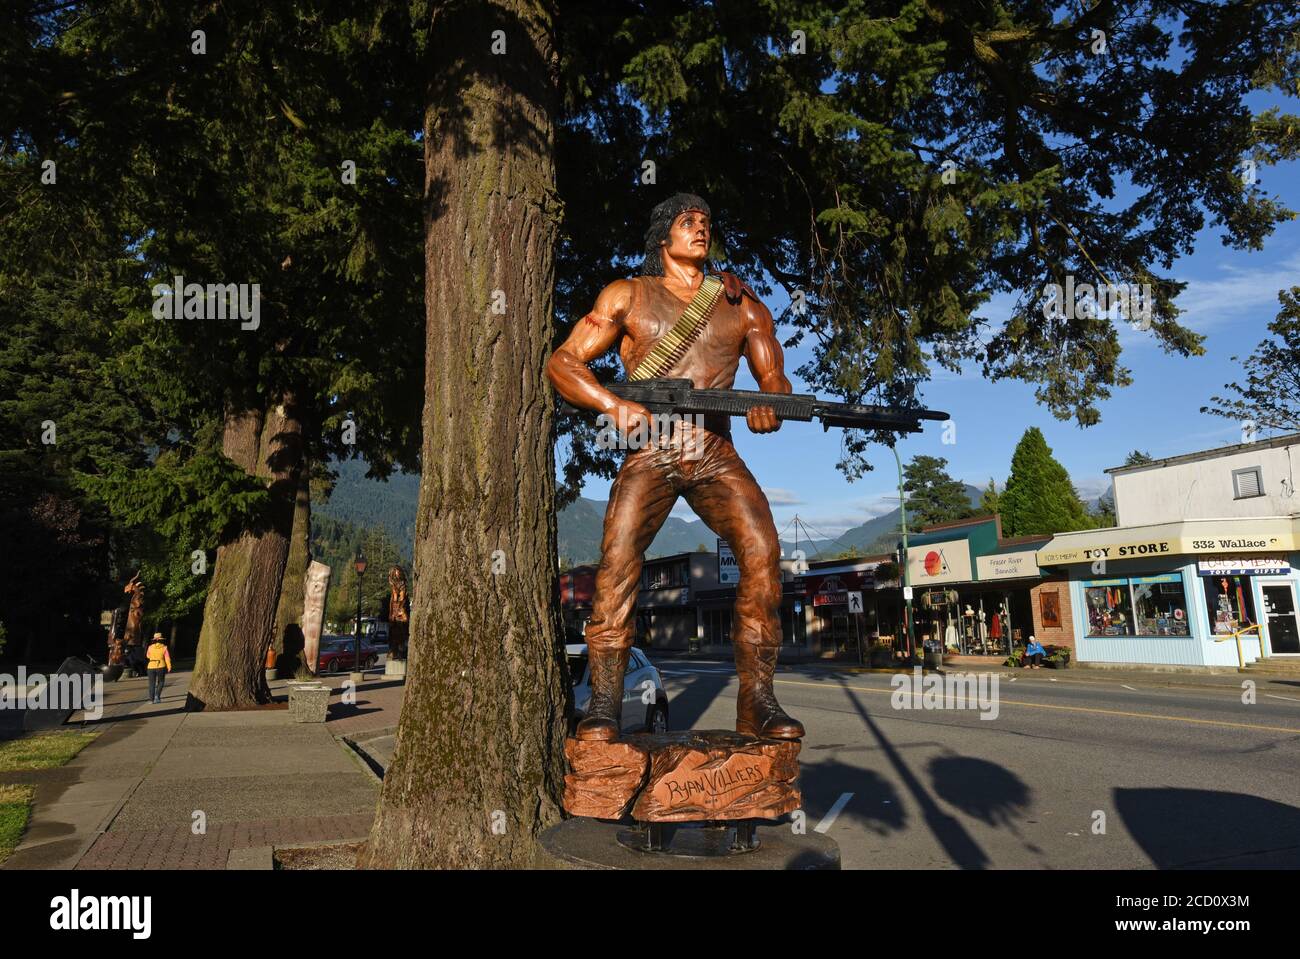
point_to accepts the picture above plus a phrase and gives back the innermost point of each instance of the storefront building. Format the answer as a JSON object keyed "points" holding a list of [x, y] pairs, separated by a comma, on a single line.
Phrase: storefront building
{"points": [[831, 622], [976, 592], [683, 604], [1175, 593]]}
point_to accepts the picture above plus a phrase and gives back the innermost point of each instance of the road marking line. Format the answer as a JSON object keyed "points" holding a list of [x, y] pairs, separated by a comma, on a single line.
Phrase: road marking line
{"points": [[1086, 709], [1287, 698], [829, 819], [1128, 687]]}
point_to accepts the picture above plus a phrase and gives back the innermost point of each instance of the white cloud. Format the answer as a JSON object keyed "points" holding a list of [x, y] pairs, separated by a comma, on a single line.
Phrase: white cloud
{"points": [[1090, 488], [781, 497], [1208, 302]]}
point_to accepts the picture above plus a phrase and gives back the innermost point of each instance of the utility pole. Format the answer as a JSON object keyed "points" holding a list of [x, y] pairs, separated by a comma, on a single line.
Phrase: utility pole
{"points": [[902, 566]]}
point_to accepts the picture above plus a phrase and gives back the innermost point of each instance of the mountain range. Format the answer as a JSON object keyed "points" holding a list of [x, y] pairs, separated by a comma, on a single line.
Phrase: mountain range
{"points": [[392, 504]]}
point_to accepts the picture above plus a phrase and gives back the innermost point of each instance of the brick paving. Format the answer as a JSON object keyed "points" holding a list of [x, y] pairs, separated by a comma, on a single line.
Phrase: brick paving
{"points": [[240, 768], [377, 707], [179, 848]]}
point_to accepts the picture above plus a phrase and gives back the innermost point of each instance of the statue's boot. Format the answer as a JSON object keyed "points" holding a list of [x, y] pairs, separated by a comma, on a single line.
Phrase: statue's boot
{"points": [[757, 711], [606, 707]]}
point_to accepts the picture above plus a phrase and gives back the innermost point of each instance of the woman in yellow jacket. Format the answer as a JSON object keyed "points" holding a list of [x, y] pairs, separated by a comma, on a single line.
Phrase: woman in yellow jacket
{"points": [[160, 664]]}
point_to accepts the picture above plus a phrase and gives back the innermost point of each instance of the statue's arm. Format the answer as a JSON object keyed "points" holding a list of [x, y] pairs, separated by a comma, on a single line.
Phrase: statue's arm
{"points": [[593, 335], [766, 362]]}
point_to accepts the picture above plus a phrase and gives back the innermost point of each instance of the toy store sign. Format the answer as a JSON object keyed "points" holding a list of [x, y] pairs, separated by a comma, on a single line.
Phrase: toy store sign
{"points": [[1242, 566], [1179, 545], [1008, 565]]}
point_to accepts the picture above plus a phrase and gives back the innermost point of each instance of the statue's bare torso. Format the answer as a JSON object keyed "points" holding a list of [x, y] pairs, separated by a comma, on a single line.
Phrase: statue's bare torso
{"points": [[712, 360]]}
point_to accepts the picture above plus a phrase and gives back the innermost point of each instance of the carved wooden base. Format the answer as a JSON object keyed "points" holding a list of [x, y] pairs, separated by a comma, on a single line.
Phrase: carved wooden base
{"points": [[682, 777]]}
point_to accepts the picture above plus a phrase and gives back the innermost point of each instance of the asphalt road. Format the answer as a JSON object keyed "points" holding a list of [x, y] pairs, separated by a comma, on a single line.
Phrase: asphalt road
{"points": [[1070, 774]]}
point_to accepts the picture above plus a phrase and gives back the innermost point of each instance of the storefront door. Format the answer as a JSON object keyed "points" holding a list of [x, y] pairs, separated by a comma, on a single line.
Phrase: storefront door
{"points": [[1280, 617]]}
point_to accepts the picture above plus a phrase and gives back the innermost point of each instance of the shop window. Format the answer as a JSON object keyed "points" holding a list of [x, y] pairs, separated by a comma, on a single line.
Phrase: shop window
{"points": [[1109, 608], [1161, 606], [717, 626], [1247, 483], [1230, 604], [1141, 606]]}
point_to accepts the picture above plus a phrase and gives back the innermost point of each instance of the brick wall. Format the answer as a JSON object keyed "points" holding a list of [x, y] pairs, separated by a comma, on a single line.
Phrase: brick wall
{"points": [[1047, 635]]}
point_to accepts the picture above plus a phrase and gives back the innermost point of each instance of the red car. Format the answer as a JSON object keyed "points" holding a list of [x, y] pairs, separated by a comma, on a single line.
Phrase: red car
{"points": [[336, 655]]}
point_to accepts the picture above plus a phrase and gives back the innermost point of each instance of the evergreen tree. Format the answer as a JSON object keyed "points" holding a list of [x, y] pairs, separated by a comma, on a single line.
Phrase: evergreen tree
{"points": [[1138, 458], [1039, 498], [484, 719], [932, 495], [916, 158], [989, 500], [1267, 396], [1103, 517], [267, 144]]}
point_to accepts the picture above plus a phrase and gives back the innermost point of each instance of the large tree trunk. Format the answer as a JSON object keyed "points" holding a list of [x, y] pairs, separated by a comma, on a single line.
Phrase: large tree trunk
{"points": [[239, 615], [479, 767], [288, 640]]}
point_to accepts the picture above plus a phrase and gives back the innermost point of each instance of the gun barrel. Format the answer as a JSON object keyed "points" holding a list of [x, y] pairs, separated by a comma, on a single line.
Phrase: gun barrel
{"points": [[681, 396]]}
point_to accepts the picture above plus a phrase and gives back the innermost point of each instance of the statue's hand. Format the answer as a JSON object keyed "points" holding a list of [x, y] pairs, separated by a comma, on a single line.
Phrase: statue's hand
{"points": [[631, 417], [762, 419]]}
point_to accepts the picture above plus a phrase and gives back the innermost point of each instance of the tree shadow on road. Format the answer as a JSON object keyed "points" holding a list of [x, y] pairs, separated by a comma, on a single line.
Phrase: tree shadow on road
{"points": [[981, 789], [958, 844], [1208, 829], [875, 804]]}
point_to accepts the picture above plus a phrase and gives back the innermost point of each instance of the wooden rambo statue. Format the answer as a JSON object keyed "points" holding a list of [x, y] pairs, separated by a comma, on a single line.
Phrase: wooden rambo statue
{"points": [[635, 314]]}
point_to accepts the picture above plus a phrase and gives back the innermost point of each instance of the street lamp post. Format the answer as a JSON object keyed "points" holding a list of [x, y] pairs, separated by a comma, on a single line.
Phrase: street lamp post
{"points": [[902, 567], [359, 564]]}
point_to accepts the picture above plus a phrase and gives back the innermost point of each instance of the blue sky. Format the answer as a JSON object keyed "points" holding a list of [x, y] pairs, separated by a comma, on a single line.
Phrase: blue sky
{"points": [[1230, 298]]}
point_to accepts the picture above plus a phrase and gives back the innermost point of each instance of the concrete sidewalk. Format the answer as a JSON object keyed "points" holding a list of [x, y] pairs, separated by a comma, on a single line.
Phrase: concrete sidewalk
{"points": [[162, 788]]}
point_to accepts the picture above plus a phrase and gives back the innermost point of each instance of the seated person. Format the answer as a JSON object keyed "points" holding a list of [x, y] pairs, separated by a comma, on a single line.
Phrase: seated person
{"points": [[1034, 653]]}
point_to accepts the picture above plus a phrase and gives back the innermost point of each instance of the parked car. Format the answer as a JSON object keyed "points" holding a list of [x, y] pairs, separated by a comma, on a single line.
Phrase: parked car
{"points": [[337, 653], [645, 704], [375, 632]]}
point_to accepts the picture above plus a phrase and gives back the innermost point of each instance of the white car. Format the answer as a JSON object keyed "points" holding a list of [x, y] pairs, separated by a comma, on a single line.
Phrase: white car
{"points": [[645, 704]]}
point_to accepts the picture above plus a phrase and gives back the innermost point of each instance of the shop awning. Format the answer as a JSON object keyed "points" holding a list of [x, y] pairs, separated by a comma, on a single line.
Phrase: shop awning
{"points": [[1189, 537]]}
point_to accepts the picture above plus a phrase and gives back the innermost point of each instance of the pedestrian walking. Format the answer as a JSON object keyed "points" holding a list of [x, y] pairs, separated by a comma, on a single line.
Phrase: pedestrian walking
{"points": [[1034, 653], [160, 664]]}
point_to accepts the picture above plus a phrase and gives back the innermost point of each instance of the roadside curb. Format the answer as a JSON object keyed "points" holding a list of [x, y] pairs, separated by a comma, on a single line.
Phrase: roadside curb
{"points": [[362, 757]]}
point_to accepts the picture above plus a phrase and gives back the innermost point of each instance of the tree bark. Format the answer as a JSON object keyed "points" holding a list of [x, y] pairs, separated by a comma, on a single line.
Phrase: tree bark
{"points": [[288, 639], [479, 766], [239, 615]]}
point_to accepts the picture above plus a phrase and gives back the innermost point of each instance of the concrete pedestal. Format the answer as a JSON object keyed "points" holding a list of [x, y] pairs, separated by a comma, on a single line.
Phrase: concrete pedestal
{"points": [[590, 844], [395, 667], [309, 703]]}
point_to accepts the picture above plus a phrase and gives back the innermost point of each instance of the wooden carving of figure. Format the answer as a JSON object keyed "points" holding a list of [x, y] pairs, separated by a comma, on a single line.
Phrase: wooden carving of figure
{"points": [[116, 648], [135, 614], [399, 614], [631, 316]]}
